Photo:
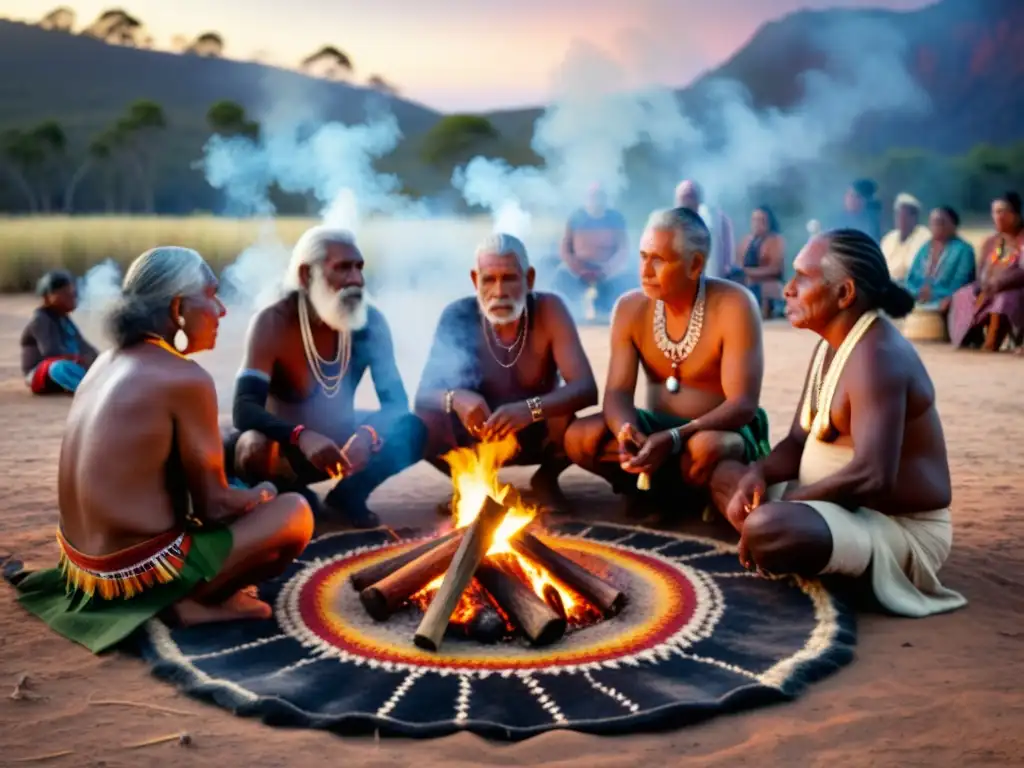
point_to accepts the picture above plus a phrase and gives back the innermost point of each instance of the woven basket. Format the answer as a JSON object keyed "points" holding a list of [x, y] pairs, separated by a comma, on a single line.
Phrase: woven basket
{"points": [[925, 324]]}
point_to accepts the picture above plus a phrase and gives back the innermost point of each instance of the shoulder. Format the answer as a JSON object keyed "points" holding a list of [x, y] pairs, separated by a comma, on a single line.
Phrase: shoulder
{"points": [[989, 242], [550, 307], [39, 315], [727, 298], [274, 318], [884, 360], [376, 321], [630, 308], [460, 309]]}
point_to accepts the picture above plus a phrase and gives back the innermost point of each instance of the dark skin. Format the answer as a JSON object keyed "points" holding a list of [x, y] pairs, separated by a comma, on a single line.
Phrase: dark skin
{"points": [[65, 301], [906, 220], [773, 250], [996, 278], [943, 230], [894, 470], [274, 346], [552, 348], [160, 411], [720, 380]]}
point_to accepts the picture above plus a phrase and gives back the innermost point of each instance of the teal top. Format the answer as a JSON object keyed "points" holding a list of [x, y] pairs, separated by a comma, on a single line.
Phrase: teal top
{"points": [[955, 268]]}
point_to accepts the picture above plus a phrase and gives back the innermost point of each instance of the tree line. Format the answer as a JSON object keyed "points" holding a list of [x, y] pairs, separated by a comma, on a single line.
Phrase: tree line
{"points": [[118, 27]]}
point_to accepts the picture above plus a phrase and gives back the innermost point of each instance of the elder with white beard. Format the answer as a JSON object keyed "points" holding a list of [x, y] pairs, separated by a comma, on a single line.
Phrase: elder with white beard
{"points": [[506, 361], [294, 408]]}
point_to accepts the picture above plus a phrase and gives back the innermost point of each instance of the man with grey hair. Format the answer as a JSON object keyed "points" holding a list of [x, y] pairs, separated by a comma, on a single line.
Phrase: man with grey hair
{"points": [[721, 258], [699, 342], [294, 408], [495, 366], [909, 236]]}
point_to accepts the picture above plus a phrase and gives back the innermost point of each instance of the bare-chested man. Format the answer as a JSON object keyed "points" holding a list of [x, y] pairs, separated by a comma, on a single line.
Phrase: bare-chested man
{"points": [[295, 395], [495, 365], [700, 344], [148, 523], [860, 487]]}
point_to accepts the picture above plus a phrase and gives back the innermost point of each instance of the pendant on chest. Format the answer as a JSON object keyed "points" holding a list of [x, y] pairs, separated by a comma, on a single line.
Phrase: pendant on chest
{"points": [[672, 383]]}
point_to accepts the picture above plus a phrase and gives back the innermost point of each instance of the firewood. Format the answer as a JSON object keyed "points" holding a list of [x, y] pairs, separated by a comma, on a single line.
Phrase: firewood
{"points": [[473, 546], [527, 611], [606, 597], [386, 596], [371, 574]]}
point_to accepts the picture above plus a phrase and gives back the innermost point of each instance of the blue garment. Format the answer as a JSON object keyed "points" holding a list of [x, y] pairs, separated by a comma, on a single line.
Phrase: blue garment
{"points": [[66, 374], [956, 268]]}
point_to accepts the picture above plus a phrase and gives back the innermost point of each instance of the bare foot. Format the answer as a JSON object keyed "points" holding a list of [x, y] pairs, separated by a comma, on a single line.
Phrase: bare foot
{"points": [[545, 491], [239, 606]]}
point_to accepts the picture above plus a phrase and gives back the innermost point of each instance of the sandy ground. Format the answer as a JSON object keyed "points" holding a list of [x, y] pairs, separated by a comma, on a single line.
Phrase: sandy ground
{"points": [[939, 691]]}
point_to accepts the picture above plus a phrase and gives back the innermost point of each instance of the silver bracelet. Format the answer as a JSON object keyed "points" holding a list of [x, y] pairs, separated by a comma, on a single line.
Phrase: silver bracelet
{"points": [[677, 440]]}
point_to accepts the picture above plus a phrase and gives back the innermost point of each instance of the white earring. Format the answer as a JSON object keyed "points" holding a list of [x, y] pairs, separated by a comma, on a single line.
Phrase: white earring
{"points": [[180, 337]]}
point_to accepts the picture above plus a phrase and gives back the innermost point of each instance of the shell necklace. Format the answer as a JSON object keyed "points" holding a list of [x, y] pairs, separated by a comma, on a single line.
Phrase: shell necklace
{"points": [[329, 383], [815, 413], [678, 351], [520, 340]]}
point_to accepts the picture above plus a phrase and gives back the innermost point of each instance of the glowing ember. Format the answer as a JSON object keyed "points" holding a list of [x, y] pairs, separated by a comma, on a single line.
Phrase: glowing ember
{"points": [[475, 477]]}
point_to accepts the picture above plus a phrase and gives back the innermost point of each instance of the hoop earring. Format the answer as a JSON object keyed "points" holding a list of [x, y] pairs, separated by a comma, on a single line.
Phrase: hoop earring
{"points": [[180, 337]]}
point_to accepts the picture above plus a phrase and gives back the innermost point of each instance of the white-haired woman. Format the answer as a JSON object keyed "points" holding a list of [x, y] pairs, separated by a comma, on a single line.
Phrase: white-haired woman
{"points": [[148, 523]]}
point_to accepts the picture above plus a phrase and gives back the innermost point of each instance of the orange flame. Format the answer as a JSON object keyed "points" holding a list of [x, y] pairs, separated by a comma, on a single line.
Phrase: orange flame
{"points": [[474, 474]]}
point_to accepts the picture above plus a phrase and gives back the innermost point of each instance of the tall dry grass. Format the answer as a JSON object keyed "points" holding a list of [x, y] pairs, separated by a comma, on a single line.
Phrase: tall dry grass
{"points": [[29, 246]]}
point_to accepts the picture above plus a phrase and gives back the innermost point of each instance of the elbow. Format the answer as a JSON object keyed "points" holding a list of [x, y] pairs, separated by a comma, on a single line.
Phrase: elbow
{"points": [[745, 409], [874, 481], [588, 394]]}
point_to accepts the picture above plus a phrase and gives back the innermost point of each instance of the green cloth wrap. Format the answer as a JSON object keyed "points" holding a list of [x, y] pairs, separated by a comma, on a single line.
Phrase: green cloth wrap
{"points": [[755, 434], [99, 624]]}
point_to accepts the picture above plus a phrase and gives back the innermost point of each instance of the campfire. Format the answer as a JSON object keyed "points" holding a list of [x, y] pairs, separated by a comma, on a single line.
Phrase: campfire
{"points": [[491, 577]]}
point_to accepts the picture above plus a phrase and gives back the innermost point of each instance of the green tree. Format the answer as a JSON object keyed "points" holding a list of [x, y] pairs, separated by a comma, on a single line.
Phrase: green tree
{"points": [[456, 138], [141, 129], [23, 155], [53, 143], [100, 154], [228, 118]]}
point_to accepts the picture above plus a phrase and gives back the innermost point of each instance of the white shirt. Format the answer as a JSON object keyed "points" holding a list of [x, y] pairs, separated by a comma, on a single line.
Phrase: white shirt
{"points": [[899, 255]]}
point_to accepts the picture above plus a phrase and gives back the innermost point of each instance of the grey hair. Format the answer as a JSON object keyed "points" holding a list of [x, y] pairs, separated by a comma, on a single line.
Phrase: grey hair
{"points": [[691, 233], [311, 249], [501, 244], [151, 283]]}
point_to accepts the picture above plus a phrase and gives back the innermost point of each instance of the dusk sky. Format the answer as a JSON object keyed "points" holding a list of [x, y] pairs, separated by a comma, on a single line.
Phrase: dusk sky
{"points": [[465, 54]]}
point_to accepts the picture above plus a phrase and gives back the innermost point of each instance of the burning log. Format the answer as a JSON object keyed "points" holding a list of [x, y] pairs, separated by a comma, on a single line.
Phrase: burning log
{"points": [[472, 548], [486, 626], [554, 600], [527, 611], [386, 596], [371, 574], [599, 592]]}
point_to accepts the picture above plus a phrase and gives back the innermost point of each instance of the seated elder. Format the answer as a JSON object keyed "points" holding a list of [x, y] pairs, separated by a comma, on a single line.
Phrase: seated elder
{"points": [[901, 244], [506, 361], [761, 258], [595, 257], [294, 408], [943, 265], [699, 342], [985, 312], [54, 354], [860, 487], [148, 523]]}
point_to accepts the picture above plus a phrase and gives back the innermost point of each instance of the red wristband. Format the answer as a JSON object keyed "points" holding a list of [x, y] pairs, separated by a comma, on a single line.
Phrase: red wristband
{"points": [[294, 439]]}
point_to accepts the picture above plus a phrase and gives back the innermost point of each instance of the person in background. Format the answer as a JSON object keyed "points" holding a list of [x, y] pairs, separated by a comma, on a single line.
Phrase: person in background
{"points": [[942, 265], [861, 210], [900, 246], [992, 307], [761, 255], [595, 259], [54, 354], [689, 195]]}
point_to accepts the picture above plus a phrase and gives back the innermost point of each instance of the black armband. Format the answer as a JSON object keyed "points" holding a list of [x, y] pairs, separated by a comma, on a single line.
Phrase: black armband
{"points": [[249, 411]]}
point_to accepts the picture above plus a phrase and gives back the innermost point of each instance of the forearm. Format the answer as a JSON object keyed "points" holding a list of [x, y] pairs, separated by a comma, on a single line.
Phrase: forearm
{"points": [[732, 415], [436, 399], [851, 487], [783, 463], [249, 411], [619, 411], [569, 399]]}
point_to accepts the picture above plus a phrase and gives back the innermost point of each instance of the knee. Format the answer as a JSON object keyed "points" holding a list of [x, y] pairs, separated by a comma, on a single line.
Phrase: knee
{"points": [[296, 528], [255, 456], [558, 429], [705, 450], [583, 439], [767, 534]]}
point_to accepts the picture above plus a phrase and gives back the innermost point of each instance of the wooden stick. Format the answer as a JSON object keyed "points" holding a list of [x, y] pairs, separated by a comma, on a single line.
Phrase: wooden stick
{"points": [[528, 612], [140, 704], [554, 600], [598, 591], [47, 756], [181, 738], [371, 574], [473, 547], [387, 595]]}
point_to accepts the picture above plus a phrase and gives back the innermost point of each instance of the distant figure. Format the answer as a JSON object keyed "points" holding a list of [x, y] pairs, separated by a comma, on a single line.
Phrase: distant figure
{"points": [[942, 265], [720, 260], [762, 259], [859, 488], [861, 210], [991, 308], [148, 523], [901, 245], [506, 361], [294, 408], [595, 258], [54, 354]]}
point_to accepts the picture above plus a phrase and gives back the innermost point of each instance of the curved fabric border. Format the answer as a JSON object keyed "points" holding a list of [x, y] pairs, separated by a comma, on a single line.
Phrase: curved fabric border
{"points": [[829, 647]]}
